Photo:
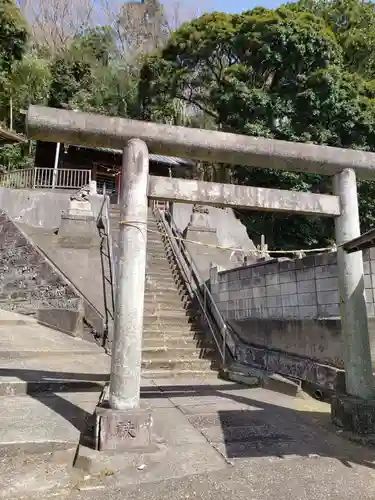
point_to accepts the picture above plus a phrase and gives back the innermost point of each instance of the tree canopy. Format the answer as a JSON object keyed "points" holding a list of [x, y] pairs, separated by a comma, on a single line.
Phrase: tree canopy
{"points": [[302, 72], [298, 73]]}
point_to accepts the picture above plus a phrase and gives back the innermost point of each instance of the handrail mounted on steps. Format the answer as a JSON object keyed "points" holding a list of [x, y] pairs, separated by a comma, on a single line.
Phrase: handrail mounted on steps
{"points": [[104, 225], [196, 285]]}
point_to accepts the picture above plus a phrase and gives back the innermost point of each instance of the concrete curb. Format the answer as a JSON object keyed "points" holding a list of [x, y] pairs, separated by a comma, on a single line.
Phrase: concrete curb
{"points": [[258, 378]]}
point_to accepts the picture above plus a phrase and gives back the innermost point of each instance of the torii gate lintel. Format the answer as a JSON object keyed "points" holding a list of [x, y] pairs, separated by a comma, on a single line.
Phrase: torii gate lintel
{"points": [[136, 137]]}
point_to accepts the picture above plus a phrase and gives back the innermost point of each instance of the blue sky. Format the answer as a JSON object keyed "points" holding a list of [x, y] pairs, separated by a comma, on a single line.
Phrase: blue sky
{"points": [[241, 5]]}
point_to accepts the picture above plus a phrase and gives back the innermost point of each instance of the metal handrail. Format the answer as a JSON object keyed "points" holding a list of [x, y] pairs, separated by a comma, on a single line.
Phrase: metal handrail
{"points": [[100, 214], [191, 275], [110, 244], [107, 227]]}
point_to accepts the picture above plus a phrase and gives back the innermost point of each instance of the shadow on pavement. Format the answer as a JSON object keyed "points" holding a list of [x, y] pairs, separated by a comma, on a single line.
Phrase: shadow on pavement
{"points": [[262, 428], [47, 387], [241, 422]]}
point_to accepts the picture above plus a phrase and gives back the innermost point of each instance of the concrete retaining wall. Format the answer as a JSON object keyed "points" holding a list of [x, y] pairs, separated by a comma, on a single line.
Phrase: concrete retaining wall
{"points": [[223, 229], [298, 289], [38, 208], [290, 307], [31, 284]]}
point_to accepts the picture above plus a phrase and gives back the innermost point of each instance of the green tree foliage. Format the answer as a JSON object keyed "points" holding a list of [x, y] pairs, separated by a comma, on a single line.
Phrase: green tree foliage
{"points": [[96, 45], [303, 72], [29, 83], [13, 34], [69, 77], [287, 74], [13, 39], [92, 76]]}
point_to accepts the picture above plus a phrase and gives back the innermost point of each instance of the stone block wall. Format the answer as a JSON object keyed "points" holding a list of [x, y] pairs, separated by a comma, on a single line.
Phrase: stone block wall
{"points": [[299, 289], [30, 284], [289, 311]]}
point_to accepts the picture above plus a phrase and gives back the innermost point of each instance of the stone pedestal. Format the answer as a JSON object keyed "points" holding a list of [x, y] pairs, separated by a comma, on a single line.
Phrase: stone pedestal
{"points": [[200, 218], [80, 207], [206, 252], [78, 226], [353, 414], [122, 430], [93, 187]]}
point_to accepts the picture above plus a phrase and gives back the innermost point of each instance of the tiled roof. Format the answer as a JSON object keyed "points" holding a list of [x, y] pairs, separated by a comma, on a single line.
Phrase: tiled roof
{"points": [[167, 160], [6, 136]]}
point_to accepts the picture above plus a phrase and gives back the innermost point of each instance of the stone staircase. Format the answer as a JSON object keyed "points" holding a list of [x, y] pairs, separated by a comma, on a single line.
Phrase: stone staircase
{"points": [[173, 342]]}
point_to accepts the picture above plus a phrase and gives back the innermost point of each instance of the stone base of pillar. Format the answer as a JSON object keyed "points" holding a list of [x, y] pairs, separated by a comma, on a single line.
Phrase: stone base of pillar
{"points": [[122, 430], [353, 414]]}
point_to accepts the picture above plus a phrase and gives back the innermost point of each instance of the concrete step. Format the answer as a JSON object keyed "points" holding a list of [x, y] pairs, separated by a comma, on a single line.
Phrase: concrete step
{"points": [[35, 387], [30, 339], [153, 231], [158, 256], [154, 284], [114, 208], [174, 354], [45, 422], [115, 224], [176, 342], [8, 318], [154, 245], [159, 249], [115, 212], [162, 263], [189, 330], [164, 308], [167, 319], [168, 303], [154, 239], [162, 270], [162, 259], [166, 295], [159, 252], [161, 267], [162, 287], [177, 364], [162, 273], [177, 286], [45, 372], [181, 373], [176, 298]]}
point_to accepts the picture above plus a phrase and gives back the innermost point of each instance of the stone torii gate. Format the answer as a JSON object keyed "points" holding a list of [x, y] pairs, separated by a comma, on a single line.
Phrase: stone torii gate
{"points": [[136, 138]]}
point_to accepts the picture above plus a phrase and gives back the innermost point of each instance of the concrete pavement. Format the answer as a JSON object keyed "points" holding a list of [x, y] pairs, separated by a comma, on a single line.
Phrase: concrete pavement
{"points": [[297, 479], [215, 441], [49, 385], [212, 438]]}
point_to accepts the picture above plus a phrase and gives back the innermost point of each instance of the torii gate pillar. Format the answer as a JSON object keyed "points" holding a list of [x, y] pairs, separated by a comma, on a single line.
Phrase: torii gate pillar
{"points": [[356, 410]]}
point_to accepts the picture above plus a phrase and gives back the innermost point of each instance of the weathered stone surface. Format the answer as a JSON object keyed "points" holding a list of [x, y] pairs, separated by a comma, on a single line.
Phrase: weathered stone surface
{"points": [[211, 193], [28, 281], [78, 231], [69, 321], [123, 430], [353, 414], [321, 376], [62, 125]]}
